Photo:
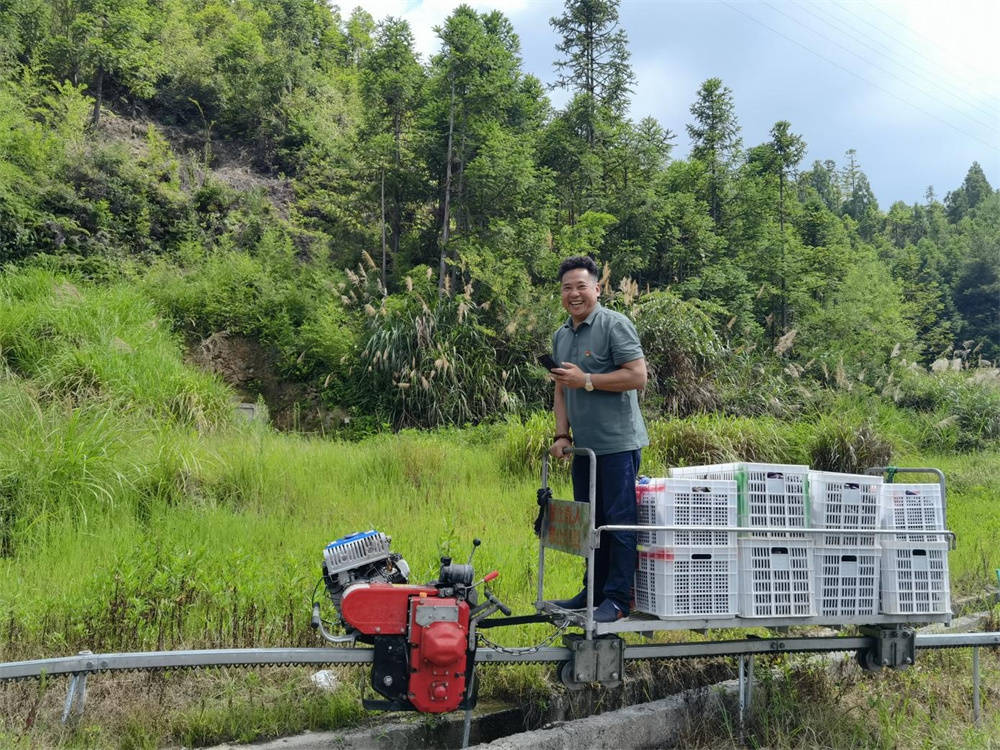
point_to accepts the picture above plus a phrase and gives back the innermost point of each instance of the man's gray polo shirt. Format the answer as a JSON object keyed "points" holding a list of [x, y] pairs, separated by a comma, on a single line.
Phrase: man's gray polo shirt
{"points": [[603, 421]]}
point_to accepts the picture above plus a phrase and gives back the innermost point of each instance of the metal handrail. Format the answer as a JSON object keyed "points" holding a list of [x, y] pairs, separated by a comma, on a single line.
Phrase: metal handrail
{"points": [[786, 530]]}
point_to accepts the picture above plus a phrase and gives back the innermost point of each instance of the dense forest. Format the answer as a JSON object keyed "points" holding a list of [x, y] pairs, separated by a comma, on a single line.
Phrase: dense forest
{"points": [[367, 240]]}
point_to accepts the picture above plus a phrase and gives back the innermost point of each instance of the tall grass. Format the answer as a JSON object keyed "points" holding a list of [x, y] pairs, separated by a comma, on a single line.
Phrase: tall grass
{"points": [[57, 462], [216, 541], [803, 702], [90, 384], [104, 346], [236, 564]]}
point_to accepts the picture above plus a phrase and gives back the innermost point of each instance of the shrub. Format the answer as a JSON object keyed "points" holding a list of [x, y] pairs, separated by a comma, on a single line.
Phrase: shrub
{"points": [[850, 448], [38, 137], [752, 383], [330, 337], [434, 360], [966, 405], [682, 351]]}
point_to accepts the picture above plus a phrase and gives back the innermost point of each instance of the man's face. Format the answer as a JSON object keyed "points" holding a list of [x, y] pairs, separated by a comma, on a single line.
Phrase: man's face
{"points": [[579, 293]]}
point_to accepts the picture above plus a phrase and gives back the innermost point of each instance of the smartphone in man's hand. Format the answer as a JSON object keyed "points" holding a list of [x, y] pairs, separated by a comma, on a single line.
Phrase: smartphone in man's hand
{"points": [[546, 361]]}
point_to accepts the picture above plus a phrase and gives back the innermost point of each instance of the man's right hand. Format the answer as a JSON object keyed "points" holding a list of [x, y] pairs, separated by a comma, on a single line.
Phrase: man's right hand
{"points": [[557, 448]]}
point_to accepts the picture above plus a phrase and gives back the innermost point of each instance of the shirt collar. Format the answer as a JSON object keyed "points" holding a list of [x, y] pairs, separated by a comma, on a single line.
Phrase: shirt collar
{"points": [[589, 320]]}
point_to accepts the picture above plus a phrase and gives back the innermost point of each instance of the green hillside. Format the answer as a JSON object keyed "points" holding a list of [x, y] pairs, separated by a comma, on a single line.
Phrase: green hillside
{"points": [[381, 234]]}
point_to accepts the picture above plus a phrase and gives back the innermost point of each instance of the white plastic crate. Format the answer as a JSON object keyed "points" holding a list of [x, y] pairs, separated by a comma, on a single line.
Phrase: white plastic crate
{"points": [[915, 578], [693, 582], [770, 495], [686, 502], [845, 501], [912, 506], [776, 577], [847, 581]]}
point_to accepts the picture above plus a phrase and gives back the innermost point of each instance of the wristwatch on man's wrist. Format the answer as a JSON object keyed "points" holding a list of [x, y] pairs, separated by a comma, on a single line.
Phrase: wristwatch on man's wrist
{"points": [[588, 384]]}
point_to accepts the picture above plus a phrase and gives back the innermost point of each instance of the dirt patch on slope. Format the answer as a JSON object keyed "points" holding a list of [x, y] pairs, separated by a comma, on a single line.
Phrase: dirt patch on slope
{"points": [[229, 162], [251, 369]]}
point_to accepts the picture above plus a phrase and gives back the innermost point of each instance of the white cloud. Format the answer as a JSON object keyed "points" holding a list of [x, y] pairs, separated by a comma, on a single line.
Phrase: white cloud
{"points": [[943, 59], [959, 40]]}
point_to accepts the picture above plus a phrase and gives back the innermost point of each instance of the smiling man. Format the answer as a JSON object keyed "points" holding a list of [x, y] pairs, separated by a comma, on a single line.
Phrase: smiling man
{"points": [[601, 367]]}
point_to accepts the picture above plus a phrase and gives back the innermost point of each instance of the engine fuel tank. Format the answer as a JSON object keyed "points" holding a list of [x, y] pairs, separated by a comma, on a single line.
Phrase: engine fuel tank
{"points": [[380, 608]]}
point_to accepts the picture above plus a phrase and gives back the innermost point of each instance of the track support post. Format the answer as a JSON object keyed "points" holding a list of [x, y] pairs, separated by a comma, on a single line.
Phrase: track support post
{"points": [[76, 695], [745, 684], [600, 660], [977, 715]]}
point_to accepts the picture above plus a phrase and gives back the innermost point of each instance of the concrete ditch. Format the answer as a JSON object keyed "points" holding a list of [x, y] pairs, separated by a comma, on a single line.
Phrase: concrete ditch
{"points": [[656, 724]]}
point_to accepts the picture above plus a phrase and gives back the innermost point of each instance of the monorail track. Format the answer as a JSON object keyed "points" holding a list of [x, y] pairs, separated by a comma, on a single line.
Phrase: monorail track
{"points": [[87, 663]]}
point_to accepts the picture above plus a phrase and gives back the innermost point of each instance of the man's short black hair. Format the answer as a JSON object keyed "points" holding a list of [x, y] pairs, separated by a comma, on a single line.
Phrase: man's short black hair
{"points": [[579, 261]]}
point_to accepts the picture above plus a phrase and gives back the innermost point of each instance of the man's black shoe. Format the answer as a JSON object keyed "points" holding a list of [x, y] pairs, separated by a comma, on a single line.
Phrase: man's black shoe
{"points": [[577, 602]]}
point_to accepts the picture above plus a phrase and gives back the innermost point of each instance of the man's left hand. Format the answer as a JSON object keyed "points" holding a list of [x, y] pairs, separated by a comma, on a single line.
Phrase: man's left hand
{"points": [[569, 375]]}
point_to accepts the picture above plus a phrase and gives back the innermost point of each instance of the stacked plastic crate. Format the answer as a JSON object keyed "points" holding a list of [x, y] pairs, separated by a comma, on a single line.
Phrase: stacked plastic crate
{"points": [[846, 562], [689, 574], [914, 566], [776, 563]]}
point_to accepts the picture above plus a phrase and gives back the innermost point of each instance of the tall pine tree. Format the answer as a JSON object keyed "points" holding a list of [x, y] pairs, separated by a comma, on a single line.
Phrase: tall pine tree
{"points": [[596, 58], [715, 139], [391, 82]]}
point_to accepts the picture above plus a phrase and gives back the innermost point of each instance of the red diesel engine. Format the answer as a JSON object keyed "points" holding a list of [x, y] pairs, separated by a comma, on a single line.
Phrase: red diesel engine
{"points": [[423, 635], [422, 656]]}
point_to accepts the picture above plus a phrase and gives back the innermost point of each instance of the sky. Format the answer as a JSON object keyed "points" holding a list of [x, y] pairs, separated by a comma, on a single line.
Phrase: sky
{"points": [[912, 86]]}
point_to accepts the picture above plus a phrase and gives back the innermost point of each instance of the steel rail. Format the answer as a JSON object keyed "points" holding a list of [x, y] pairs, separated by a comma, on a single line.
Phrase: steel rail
{"points": [[956, 640], [202, 658], [746, 647], [237, 657], [255, 657]]}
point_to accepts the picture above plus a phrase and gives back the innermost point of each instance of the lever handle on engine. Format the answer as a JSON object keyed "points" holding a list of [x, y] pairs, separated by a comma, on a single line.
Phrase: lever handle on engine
{"points": [[475, 544], [500, 605], [491, 576]]}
